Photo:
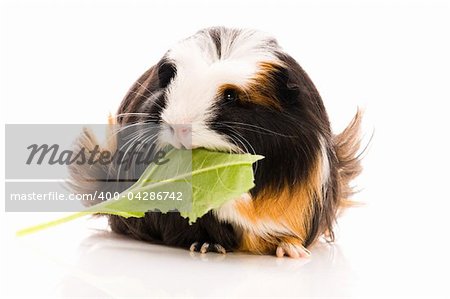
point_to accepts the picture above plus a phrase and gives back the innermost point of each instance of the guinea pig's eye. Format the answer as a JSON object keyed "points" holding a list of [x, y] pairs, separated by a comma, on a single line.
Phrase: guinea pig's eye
{"points": [[230, 94]]}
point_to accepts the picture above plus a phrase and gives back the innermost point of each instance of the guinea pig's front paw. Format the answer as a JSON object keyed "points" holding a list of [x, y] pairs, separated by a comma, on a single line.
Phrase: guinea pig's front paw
{"points": [[292, 250], [204, 247]]}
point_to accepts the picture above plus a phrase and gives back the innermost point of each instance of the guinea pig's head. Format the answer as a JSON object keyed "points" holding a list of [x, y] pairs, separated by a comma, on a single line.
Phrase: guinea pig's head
{"points": [[234, 90]]}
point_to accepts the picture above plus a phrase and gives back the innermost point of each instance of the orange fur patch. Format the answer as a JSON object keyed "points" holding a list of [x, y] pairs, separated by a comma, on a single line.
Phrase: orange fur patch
{"points": [[292, 209], [261, 89]]}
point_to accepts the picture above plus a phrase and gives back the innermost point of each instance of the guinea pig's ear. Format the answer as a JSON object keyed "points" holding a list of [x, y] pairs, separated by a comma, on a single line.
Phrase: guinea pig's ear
{"points": [[298, 84], [301, 89]]}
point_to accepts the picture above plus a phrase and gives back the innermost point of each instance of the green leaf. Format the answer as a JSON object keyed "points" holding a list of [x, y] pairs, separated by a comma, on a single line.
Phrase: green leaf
{"points": [[205, 180]]}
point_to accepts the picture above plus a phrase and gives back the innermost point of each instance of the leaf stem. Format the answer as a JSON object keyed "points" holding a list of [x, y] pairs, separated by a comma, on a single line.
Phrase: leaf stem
{"points": [[36, 228]]}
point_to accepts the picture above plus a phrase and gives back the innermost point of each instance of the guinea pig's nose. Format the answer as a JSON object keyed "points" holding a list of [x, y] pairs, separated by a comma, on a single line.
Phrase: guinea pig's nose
{"points": [[181, 136], [181, 131]]}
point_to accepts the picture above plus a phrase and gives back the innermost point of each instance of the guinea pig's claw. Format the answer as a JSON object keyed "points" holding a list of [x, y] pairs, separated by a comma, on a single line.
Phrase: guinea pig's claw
{"points": [[220, 249], [193, 247], [292, 250], [204, 247]]}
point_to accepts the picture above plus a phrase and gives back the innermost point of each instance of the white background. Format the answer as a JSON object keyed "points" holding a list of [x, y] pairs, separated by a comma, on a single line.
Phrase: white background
{"points": [[72, 62]]}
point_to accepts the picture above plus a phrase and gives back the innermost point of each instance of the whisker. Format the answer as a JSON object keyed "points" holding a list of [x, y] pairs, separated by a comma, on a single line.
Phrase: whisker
{"points": [[123, 128], [130, 144], [242, 140], [134, 113], [244, 125], [151, 96], [143, 143]]}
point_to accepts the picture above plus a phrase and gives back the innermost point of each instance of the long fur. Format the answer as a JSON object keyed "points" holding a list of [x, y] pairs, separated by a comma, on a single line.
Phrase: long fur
{"points": [[301, 185]]}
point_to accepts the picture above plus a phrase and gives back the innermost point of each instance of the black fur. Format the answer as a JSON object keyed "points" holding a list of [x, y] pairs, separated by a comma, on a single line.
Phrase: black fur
{"points": [[173, 230], [166, 72]]}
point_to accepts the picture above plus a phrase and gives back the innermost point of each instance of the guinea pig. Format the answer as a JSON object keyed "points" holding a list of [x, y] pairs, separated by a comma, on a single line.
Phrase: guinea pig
{"points": [[237, 90]]}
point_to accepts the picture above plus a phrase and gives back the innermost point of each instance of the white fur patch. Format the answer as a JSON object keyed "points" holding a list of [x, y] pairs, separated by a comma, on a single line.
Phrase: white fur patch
{"points": [[200, 72], [325, 171]]}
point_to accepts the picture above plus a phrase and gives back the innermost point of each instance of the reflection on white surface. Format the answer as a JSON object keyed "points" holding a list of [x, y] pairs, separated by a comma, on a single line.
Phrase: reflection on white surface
{"points": [[84, 259], [98, 263], [112, 265]]}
